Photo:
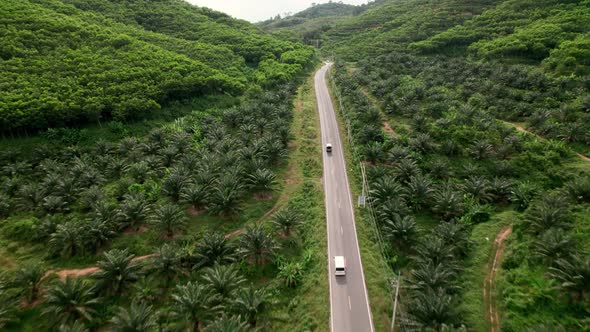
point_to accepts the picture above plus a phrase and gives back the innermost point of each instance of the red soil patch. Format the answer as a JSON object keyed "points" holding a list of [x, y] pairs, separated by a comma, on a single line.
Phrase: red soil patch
{"points": [[63, 274], [491, 312], [130, 231], [388, 128], [193, 212]]}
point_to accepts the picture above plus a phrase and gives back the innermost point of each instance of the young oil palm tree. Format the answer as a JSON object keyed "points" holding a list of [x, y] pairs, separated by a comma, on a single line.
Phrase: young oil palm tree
{"points": [[215, 248], [70, 300], [194, 304], [448, 203], [134, 209], [28, 279], [432, 309], [139, 317], [169, 219], [401, 231], [67, 239], [166, 263], [262, 181], [573, 277], [419, 191], [196, 195], [228, 324], [286, 220], [252, 304], [223, 280], [117, 272], [257, 245]]}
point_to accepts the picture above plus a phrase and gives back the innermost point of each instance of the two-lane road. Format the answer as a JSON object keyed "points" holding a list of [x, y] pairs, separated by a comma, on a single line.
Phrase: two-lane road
{"points": [[349, 305]]}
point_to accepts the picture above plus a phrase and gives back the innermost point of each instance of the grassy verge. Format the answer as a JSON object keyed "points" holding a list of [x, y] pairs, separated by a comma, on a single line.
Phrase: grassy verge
{"points": [[307, 307], [482, 239], [377, 275]]}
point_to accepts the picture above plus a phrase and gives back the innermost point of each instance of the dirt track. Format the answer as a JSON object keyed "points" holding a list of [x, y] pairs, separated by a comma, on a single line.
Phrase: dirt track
{"points": [[522, 129], [491, 312]]}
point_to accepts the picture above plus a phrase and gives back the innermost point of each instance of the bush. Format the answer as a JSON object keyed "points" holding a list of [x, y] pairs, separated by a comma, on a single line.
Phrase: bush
{"points": [[20, 229]]}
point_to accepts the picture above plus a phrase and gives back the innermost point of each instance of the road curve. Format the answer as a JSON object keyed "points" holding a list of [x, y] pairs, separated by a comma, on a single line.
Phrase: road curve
{"points": [[349, 304]]}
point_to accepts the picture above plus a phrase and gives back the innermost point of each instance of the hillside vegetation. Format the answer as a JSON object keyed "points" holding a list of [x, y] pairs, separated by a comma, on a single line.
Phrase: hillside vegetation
{"points": [[433, 92], [309, 25], [68, 62]]}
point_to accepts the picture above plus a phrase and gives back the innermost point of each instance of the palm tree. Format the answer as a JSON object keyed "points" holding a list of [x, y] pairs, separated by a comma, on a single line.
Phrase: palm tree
{"points": [[77, 326], [573, 276], [29, 196], [174, 184], [196, 195], [550, 211], [134, 209], [257, 245], [228, 324], [225, 199], [193, 303], [400, 230], [285, 220], [374, 152], [419, 191], [215, 248], [252, 303], [117, 271], [138, 318], [166, 263], [224, 280], [427, 275], [54, 204], [554, 244], [262, 181], [71, 300], [96, 233], [66, 241], [481, 150], [434, 249], [169, 219], [432, 309], [384, 189], [405, 170], [479, 189], [90, 196], [522, 195], [28, 279], [448, 203]]}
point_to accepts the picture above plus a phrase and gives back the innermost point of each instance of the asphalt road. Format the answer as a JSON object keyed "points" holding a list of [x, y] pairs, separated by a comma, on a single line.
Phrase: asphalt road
{"points": [[349, 305]]}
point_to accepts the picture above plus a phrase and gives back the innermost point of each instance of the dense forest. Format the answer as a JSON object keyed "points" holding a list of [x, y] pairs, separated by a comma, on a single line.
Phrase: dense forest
{"points": [[92, 60]]}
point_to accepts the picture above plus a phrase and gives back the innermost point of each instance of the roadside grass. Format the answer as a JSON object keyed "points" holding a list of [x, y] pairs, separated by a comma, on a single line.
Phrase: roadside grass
{"points": [[378, 276], [306, 307], [482, 239]]}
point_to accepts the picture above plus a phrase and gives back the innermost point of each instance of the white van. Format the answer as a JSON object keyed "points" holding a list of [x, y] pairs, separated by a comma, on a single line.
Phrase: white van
{"points": [[340, 264], [329, 147]]}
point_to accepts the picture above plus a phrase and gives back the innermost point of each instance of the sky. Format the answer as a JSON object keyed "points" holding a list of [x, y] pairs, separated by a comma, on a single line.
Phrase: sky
{"points": [[260, 10]]}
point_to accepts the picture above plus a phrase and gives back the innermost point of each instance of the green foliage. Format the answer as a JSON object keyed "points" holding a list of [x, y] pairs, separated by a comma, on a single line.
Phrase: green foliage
{"points": [[83, 61]]}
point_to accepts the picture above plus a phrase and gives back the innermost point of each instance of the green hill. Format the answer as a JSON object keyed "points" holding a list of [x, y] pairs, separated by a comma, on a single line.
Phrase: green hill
{"points": [[308, 25], [69, 62]]}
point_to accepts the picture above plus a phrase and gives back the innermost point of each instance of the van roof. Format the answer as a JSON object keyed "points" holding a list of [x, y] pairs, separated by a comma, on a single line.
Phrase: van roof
{"points": [[339, 260]]}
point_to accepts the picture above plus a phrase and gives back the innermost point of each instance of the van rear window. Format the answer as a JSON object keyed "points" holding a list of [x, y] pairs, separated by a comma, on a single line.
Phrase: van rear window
{"points": [[339, 269]]}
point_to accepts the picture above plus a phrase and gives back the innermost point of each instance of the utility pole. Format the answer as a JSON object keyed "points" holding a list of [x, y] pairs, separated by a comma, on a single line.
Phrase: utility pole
{"points": [[399, 277]]}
